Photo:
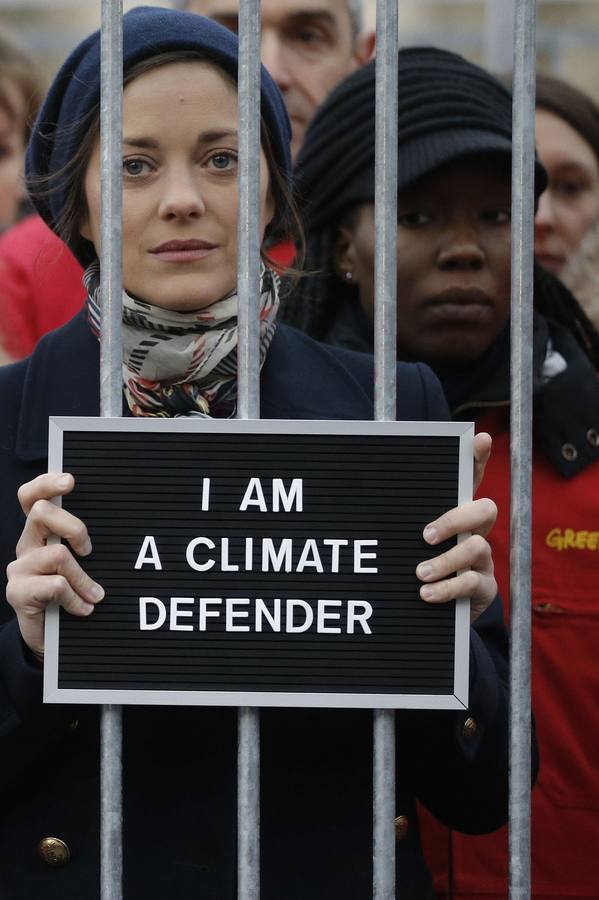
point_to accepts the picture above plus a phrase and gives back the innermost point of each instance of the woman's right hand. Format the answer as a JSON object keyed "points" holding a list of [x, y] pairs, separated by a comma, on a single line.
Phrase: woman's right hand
{"points": [[43, 573]]}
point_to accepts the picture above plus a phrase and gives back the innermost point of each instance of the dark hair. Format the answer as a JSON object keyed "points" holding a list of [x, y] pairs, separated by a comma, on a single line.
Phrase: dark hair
{"points": [[70, 179], [572, 105], [313, 304], [16, 67]]}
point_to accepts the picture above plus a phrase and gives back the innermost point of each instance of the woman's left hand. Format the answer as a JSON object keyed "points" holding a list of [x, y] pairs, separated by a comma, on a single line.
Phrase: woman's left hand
{"points": [[441, 584]]}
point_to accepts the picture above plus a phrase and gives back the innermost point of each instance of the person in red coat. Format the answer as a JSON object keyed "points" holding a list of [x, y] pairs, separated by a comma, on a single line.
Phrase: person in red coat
{"points": [[41, 285], [453, 295]]}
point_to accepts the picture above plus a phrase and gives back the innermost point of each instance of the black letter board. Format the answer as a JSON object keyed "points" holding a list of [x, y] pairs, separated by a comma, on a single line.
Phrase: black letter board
{"points": [[262, 563]]}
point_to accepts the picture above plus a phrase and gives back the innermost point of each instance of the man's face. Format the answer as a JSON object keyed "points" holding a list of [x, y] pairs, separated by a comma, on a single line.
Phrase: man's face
{"points": [[307, 46]]}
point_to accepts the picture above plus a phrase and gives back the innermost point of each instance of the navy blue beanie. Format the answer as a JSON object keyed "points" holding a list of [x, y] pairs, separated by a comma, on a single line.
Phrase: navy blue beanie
{"points": [[147, 31]]}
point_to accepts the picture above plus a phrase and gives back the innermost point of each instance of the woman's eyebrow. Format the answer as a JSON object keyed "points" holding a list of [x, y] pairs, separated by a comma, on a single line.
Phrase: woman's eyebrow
{"points": [[143, 142], [204, 137]]}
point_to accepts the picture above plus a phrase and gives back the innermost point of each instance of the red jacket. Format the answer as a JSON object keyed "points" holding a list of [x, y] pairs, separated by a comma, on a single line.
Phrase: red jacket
{"points": [[565, 638], [40, 285]]}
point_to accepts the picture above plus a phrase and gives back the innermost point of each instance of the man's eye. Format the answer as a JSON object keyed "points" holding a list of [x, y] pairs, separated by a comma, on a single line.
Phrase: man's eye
{"points": [[412, 219], [135, 167], [308, 36]]}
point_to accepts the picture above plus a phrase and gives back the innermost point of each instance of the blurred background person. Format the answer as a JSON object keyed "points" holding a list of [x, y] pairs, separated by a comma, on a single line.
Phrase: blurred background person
{"points": [[453, 296], [567, 220], [20, 95], [40, 281], [308, 46]]}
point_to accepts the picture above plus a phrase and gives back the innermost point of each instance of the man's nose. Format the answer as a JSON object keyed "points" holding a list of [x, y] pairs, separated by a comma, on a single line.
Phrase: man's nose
{"points": [[462, 250], [275, 59], [182, 197]]}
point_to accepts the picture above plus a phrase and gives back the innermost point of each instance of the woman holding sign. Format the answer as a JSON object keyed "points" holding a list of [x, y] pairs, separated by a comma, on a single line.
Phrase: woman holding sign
{"points": [[179, 252]]}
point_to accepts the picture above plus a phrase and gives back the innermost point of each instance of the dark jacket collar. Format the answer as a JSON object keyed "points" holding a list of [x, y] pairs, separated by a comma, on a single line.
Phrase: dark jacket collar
{"points": [[62, 379], [565, 408]]}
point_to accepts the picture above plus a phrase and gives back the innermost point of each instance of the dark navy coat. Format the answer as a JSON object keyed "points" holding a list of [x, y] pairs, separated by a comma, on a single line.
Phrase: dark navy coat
{"points": [[180, 763]]}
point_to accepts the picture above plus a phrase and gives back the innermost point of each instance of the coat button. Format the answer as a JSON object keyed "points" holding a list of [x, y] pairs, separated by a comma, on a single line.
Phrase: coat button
{"points": [[469, 728], [593, 437], [401, 827], [54, 852], [569, 452]]}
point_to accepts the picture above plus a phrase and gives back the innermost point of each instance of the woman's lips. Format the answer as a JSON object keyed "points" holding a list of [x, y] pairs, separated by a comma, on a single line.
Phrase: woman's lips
{"points": [[461, 305], [183, 251]]}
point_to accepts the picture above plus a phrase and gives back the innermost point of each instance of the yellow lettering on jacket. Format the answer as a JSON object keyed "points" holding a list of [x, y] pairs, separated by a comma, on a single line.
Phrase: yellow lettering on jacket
{"points": [[569, 539]]}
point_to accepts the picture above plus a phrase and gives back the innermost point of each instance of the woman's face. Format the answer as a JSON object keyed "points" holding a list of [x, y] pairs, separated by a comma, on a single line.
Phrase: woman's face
{"points": [[180, 147], [12, 151], [453, 262], [570, 205]]}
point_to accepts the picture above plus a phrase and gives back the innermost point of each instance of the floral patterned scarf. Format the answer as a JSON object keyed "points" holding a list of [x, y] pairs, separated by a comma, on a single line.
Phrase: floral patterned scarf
{"points": [[183, 363]]}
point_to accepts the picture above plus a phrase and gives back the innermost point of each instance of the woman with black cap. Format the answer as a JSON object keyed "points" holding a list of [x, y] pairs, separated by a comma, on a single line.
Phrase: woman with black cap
{"points": [[179, 255], [453, 296]]}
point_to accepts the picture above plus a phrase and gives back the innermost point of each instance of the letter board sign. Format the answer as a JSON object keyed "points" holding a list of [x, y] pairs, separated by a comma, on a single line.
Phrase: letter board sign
{"points": [[261, 563]]}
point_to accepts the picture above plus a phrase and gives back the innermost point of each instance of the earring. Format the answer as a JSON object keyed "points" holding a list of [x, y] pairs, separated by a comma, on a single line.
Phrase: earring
{"points": [[348, 276]]}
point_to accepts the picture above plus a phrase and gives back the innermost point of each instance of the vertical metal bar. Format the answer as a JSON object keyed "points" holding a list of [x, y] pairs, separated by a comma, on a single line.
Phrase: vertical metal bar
{"points": [[385, 355], [248, 403], [111, 390], [521, 444]]}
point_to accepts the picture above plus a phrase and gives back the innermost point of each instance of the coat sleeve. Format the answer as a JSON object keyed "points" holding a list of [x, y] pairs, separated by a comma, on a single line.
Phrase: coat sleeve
{"points": [[28, 729], [458, 761]]}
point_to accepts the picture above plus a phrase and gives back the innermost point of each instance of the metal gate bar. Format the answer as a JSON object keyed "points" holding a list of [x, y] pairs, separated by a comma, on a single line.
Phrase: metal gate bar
{"points": [[111, 393], [385, 355], [248, 406], [521, 444]]}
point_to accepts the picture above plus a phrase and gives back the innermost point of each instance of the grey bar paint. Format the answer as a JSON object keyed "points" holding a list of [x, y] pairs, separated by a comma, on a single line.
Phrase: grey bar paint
{"points": [[385, 353], [248, 275], [111, 391], [521, 444]]}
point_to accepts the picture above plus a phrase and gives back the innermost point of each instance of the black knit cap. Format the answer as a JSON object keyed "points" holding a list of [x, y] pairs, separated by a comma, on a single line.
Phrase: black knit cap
{"points": [[448, 108]]}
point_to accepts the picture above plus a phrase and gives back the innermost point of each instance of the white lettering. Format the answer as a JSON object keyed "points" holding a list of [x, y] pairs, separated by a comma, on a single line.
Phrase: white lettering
{"points": [[233, 613], [152, 558], [280, 495], [323, 615], [205, 494], [254, 487], [359, 555], [335, 544], [144, 602], [353, 615], [271, 559], [205, 612], [262, 610], [176, 613], [249, 554], [224, 558], [290, 625], [305, 560], [197, 542]]}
